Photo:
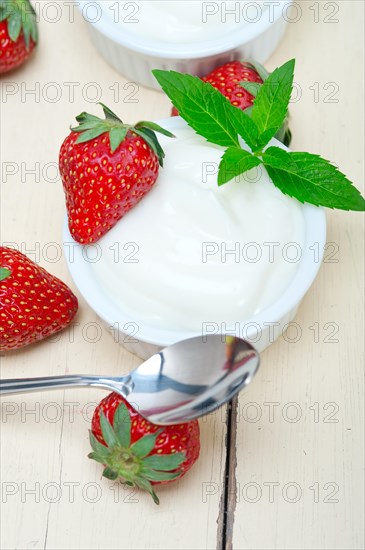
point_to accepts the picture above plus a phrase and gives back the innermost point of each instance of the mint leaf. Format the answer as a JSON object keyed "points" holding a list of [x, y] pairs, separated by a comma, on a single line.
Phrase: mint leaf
{"points": [[195, 101], [246, 128], [270, 106], [235, 162], [310, 178], [206, 110], [304, 176], [284, 134]]}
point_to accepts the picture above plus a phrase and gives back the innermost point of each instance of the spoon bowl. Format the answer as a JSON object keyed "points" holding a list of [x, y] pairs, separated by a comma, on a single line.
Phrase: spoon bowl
{"points": [[186, 380]]}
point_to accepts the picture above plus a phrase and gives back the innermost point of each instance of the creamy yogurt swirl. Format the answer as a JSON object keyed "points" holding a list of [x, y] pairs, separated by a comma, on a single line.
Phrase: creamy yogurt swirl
{"points": [[183, 21], [192, 252]]}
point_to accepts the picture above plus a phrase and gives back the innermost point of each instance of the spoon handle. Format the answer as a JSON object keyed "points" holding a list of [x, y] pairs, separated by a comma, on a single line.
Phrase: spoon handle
{"points": [[24, 385]]}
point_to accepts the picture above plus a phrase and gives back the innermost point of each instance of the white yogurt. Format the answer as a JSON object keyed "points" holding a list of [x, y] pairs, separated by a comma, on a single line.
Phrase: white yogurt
{"points": [[183, 21], [167, 263]]}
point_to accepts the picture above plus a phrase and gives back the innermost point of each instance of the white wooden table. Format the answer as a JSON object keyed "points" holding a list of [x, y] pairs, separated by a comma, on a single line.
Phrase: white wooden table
{"points": [[289, 475]]}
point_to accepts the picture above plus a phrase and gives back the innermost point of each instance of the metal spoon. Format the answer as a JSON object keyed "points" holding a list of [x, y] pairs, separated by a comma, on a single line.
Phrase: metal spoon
{"points": [[183, 381]]}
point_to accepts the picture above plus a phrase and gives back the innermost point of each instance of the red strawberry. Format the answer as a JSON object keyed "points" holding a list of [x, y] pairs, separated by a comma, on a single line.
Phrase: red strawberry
{"points": [[234, 79], [18, 33], [137, 452], [106, 168], [227, 79], [34, 303]]}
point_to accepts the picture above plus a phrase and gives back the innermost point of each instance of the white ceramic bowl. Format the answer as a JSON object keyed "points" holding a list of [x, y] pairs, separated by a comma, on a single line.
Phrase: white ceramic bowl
{"points": [[135, 56], [261, 330]]}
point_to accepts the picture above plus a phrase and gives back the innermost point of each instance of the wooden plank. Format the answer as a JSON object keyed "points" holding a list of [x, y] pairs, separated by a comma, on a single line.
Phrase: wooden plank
{"points": [[317, 379], [34, 448]]}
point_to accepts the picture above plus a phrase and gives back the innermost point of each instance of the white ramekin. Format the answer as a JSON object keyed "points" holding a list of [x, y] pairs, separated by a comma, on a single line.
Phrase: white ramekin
{"points": [[135, 57], [261, 330]]}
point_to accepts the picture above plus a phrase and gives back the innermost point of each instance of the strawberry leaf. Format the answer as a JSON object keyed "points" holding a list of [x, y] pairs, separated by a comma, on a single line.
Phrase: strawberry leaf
{"points": [[110, 474], [234, 163], [20, 16], [90, 134], [122, 426], [96, 457], [310, 178], [98, 448], [107, 431], [109, 113], [270, 106], [153, 475], [91, 127], [87, 121], [116, 136], [14, 26], [150, 138], [155, 127], [164, 462], [145, 444], [29, 23], [146, 485], [4, 273]]}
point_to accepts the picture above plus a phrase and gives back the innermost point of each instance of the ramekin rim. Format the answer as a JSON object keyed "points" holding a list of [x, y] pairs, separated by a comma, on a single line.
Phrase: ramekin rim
{"points": [[179, 51]]}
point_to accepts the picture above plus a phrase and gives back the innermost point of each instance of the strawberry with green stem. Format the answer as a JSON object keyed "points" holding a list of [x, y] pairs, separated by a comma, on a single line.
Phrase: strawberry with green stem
{"points": [[239, 82], [106, 167], [18, 33], [137, 452], [34, 303]]}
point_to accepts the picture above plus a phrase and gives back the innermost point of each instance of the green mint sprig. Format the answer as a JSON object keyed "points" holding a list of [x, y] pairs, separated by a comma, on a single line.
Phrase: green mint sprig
{"points": [[304, 176], [284, 133]]}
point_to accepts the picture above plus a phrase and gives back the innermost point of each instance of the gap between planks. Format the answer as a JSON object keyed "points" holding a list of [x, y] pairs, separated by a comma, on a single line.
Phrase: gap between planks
{"points": [[228, 499]]}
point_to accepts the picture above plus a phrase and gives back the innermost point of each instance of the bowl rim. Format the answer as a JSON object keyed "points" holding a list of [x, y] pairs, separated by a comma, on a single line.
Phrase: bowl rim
{"points": [[168, 50], [106, 309]]}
